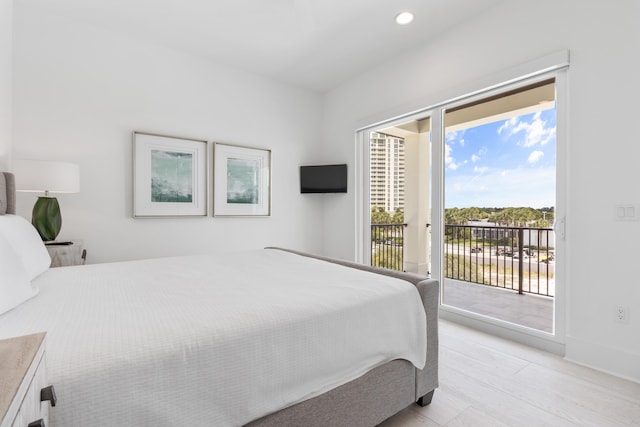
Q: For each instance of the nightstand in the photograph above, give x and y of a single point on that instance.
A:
(24, 392)
(66, 253)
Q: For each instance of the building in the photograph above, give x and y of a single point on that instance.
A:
(387, 172)
(493, 231)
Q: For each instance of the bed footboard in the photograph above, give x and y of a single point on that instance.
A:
(426, 380)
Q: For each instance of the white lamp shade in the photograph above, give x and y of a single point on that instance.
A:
(42, 175)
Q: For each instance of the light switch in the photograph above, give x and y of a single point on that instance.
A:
(630, 212)
(627, 212)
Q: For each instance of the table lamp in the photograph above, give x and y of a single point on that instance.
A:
(48, 177)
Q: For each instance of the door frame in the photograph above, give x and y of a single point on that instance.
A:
(554, 66)
(553, 342)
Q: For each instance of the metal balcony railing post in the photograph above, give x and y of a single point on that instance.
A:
(520, 259)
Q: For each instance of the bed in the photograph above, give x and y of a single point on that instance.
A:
(271, 337)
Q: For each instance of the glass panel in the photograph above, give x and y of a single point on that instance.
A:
(399, 158)
(499, 202)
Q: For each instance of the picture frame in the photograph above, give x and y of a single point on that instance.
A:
(169, 176)
(241, 181)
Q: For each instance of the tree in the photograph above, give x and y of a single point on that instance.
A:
(379, 216)
(398, 217)
(512, 216)
(454, 216)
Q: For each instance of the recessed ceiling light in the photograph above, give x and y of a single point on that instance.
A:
(404, 18)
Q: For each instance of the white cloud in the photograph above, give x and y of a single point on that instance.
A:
(480, 169)
(535, 132)
(449, 160)
(481, 153)
(509, 126)
(535, 156)
(455, 137)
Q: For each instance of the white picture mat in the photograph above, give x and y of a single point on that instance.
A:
(144, 145)
(262, 157)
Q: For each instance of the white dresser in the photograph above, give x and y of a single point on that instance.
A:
(25, 394)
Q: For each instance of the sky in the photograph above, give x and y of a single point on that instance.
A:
(508, 163)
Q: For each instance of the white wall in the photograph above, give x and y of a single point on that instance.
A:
(79, 92)
(603, 149)
(6, 64)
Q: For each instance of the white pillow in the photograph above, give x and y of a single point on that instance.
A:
(26, 244)
(15, 287)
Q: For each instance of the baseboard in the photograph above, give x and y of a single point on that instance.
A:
(610, 360)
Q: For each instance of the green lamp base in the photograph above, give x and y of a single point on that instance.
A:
(46, 218)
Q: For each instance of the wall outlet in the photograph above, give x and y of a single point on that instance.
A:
(621, 314)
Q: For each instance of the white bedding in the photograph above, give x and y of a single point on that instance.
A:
(212, 340)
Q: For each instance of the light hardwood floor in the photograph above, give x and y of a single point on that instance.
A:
(489, 381)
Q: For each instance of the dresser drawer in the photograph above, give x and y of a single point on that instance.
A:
(32, 408)
(25, 395)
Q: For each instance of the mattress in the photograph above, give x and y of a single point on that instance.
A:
(212, 340)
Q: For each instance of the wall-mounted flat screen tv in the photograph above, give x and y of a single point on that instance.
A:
(323, 179)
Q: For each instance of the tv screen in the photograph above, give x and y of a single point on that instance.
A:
(323, 179)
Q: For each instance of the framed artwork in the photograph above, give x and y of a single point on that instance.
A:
(169, 176)
(241, 181)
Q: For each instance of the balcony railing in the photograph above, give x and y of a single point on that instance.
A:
(387, 241)
(517, 258)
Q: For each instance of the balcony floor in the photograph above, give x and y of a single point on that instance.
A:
(528, 310)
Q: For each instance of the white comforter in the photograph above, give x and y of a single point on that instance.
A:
(212, 340)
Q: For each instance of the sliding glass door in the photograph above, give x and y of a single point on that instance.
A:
(470, 192)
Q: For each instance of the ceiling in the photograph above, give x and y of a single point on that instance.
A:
(315, 44)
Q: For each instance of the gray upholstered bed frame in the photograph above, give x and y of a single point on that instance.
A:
(365, 401)
(7, 193)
